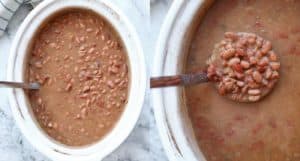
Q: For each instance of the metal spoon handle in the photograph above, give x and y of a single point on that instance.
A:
(178, 80)
(20, 85)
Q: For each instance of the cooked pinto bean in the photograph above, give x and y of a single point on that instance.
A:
(257, 76)
(248, 63)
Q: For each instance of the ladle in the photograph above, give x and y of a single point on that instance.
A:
(243, 67)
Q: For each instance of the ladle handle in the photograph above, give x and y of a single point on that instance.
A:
(178, 80)
(34, 86)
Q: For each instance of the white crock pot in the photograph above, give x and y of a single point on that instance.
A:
(21, 108)
(171, 116)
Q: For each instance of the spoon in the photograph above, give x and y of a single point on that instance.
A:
(33, 86)
(243, 67)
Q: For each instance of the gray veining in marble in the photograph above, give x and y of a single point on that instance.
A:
(144, 143)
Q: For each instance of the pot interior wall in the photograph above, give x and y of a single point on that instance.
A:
(186, 44)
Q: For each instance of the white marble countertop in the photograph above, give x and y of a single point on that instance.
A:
(144, 143)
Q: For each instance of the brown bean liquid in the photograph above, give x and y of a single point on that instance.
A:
(268, 130)
(82, 65)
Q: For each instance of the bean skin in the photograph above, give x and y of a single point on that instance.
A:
(233, 61)
(254, 92)
(254, 98)
(267, 46)
(257, 76)
(275, 65)
(268, 73)
(264, 61)
(253, 60)
(275, 75)
(272, 56)
(245, 64)
(240, 83)
(231, 35)
(228, 53)
(238, 68)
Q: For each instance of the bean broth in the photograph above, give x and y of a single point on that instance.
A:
(268, 130)
(81, 63)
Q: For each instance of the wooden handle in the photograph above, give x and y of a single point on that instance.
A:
(178, 80)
